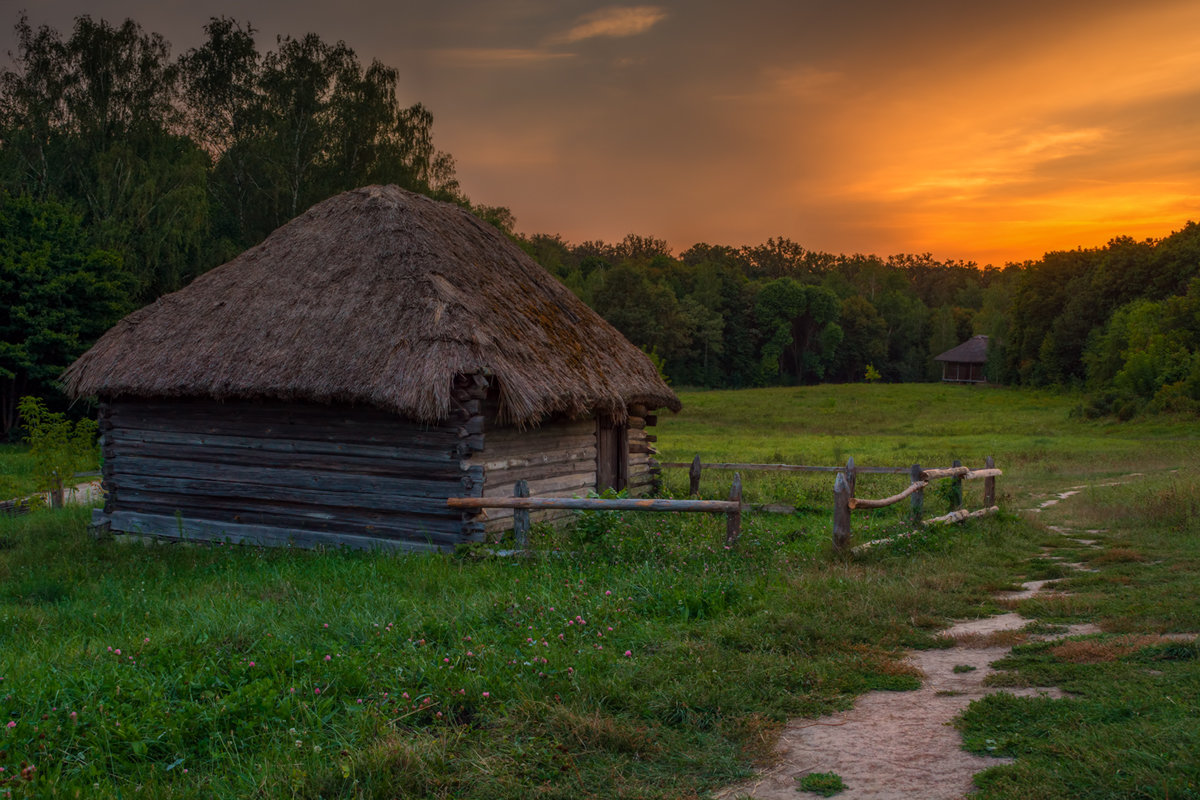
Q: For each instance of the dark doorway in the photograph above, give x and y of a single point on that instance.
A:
(612, 454)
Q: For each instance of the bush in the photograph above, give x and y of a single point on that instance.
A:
(59, 447)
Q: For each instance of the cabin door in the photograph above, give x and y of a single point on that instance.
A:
(612, 454)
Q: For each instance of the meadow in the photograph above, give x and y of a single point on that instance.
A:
(632, 655)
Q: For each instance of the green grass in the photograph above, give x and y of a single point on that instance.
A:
(16, 471)
(826, 784)
(248, 672)
(17, 478)
(1129, 727)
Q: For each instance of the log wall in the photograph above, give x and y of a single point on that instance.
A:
(557, 458)
(279, 473)
(645, 476)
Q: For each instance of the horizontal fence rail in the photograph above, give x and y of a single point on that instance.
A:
(697, 467)
(522, 504)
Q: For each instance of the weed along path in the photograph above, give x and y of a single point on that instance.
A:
(895, 744)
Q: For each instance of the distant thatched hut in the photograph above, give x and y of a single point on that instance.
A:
(965, 363)
(336, 383)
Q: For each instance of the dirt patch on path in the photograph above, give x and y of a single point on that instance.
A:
(902, 744)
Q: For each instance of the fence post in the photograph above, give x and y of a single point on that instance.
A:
(521, 516)
(694, 477)
(989, 484)
(851, 475)
(956, 497)
(733, 521)
(56, 492)
(841, 513)
(917, 501)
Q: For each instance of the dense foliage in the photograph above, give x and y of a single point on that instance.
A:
(126, 172)
(777, 313)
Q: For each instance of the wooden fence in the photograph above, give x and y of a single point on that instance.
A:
(696, 468)
(844, 500)
(522, 504)
(843, 497)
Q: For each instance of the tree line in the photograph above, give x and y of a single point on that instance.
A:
(126, 172)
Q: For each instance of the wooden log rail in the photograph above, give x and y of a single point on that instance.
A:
(844, 500)
(696, 468)
(522, 504)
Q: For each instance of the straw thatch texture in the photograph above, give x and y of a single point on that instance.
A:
(376, 296)
(972, 351)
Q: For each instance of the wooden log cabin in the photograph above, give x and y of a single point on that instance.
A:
(333, 385)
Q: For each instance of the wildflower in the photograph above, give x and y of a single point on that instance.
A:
(629, 653)
(405, 695)
(608, 594)
(12, 724)
(252, 663)
(316, 691)
(328, 658)
(487, 694)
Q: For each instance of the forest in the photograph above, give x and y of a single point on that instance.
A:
(125, 172)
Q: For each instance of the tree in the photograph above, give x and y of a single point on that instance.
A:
(92, 121)
(801, 335)
(864, 339)
(57, 295)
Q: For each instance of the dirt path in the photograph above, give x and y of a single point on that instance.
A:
(902, 744)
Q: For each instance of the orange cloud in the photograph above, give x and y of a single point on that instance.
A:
(613, 22)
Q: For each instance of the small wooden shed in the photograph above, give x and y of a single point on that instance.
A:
(965, 363)
(336, 383)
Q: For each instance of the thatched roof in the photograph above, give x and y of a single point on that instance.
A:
(972, 351)
(377, 296)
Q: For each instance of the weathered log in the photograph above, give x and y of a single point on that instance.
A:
(174, 441)
(841, 513)
(497, 463)
(946, 519)
(862, 502)
(982, 473)
(989, 483)
(595, 504)
(733, 521)
(169, 527)
(918, 497)
(783, 468)
(951, 472)
(956, 487)
(555, 484)
(521, 524)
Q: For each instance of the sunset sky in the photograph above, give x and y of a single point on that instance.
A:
(989, 132)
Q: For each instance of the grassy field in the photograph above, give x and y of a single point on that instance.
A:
(633, 656)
